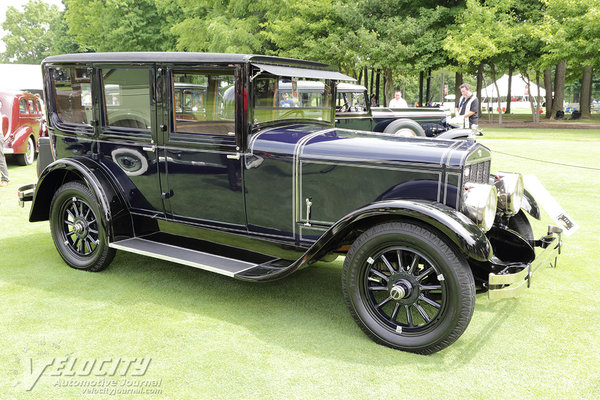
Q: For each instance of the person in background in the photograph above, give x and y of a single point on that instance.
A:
(468, 107)
(286, 102)
(3, 167)
(398, 101)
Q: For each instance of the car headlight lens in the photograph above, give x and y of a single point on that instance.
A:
(479, 204)
(510, 192)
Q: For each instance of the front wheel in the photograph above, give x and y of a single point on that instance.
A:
(407, 288)
(76, 228)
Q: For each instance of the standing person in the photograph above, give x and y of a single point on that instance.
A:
(468, 107)
(3, 167)
(398, 101)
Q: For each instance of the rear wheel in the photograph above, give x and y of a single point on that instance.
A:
(29, 155)
(76, 229)
(407, 288)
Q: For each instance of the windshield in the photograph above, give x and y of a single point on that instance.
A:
(351, 102)
(277, 98)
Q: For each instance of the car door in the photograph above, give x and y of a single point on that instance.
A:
(202, 179)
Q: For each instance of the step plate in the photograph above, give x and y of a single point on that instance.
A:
(193, 258)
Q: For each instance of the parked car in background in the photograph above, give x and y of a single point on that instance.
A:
(353, 111)
(258, 182)
(24, 116)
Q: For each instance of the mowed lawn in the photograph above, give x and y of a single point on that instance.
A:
(211, 337)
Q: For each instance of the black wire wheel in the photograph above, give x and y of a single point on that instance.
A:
(408, 288)
(77, 231)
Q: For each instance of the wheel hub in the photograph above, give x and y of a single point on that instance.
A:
(403, 288)
(80, 228)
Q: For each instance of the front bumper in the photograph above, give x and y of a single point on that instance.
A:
(516, 278)
(25, 193)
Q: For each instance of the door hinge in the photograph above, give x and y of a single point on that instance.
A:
(167, 195)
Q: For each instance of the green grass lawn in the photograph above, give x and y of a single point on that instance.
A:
(212, 337)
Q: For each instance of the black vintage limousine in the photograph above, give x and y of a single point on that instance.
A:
(242, 180)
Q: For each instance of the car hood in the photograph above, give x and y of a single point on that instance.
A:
(312, 142)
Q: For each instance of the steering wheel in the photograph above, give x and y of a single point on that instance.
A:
(294, 111)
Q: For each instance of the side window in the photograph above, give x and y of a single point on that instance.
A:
(127, 97)
(72, 95)
(203, 102)
(23, 107)
(31, 107)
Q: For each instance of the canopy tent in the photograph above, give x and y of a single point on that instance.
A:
(26, 77)
(519, 88)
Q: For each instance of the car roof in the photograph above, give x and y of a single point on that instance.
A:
(177, 57)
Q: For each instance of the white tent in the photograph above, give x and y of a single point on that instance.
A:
(519, 88)
(21, 77)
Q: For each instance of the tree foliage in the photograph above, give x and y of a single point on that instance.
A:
(31, 32)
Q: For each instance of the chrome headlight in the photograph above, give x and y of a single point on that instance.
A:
(510, 192)
(479, 204)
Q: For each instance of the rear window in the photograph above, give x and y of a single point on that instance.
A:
(72, 95)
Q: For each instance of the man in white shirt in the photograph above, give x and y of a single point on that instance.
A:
(398, 101)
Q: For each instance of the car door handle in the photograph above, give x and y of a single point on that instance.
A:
(235, 156)
(149, 148)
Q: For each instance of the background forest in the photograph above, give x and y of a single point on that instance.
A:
(426, 48)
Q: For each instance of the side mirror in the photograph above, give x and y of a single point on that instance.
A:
(4, 125)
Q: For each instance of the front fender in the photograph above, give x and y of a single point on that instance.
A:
(115, 215)
(468, 238)
(530, 205)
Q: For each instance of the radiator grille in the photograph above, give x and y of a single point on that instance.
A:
(479, 172)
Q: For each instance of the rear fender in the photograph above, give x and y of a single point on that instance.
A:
(19, 142)
(115, 215)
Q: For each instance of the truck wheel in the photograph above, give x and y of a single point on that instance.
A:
(29, 155)
(405, 127)
(407, 288)
(76, 229)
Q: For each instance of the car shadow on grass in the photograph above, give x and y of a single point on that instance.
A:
(308, 304)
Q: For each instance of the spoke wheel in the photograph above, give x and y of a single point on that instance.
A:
(78, 234)
(404, 289)
(408, 288)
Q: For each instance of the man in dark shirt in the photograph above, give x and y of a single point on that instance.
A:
(468, 106)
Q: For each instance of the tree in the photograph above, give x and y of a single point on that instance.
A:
(122, 25)
(29, 35)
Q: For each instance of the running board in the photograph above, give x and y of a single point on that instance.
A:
(199, 259)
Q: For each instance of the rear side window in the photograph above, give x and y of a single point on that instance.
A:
(127, 97)
(23, 107)
(72, 95)
(31, 107)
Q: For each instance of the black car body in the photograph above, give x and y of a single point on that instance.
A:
(256, 186)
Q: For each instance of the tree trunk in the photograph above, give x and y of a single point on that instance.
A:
(372, 80)
(585, 100)
(548, 86)
(559, 89)
(421, 77)
(389, 85)
(457, 82)
(493, 67)
(538, 99)
(428, 88)
(511, 70)
(535, 117)
(366, 75)
(442, 90)
(377, 85)
(479, 86)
